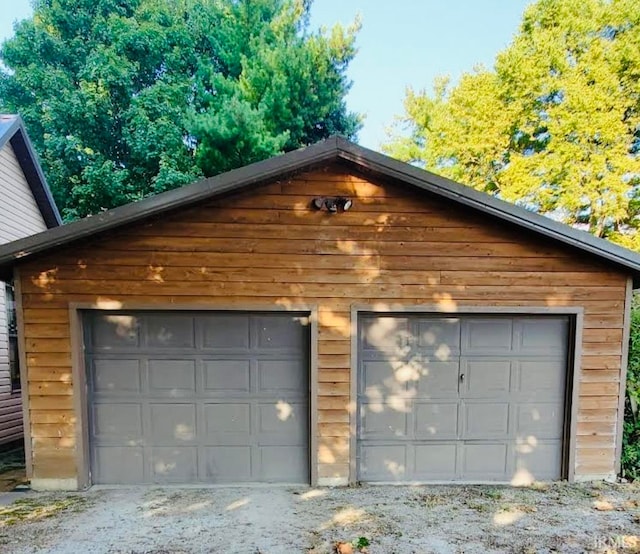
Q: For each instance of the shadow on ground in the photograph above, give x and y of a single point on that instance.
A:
(12, 468)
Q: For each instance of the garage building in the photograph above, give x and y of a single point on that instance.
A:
(324, 317)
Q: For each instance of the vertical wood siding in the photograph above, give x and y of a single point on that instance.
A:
(19, 217)
(266, 247)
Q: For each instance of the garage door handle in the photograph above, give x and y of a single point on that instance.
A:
(462, 377)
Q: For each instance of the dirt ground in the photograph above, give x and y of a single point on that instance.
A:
(271, 520)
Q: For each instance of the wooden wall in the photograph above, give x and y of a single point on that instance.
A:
(393, 248)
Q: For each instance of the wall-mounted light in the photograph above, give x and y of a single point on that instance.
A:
(332, 204)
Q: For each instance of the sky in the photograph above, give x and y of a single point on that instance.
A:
(402, 43)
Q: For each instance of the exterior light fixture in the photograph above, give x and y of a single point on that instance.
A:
(332, 204)
(346, 203)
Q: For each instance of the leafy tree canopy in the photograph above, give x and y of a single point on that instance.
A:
(555, 126)
(126, 98)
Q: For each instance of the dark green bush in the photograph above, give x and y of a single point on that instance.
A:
(631, 433)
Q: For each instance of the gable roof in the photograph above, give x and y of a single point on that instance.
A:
(12, 130)
(335, 149)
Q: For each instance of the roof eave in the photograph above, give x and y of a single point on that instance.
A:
(36, 179)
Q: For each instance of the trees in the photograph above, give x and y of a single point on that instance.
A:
(555, 126)
(124, 98)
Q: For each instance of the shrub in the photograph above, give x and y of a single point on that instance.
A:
(631, 432)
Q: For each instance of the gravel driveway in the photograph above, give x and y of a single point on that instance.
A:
(269, 520)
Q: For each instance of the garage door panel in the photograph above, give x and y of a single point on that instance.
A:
(387, 335)
(223, 376)
(539, 420)
(540, 461)
(281, 376)
(435, 461)
(537, 336)
(544, 378)
(439, 337)
(436, 420)
(174, 464)
(119, 464)
(169, 331)
(283, 464)
(122, 422)
(224, 332)
(172, 423)
(407, 375)
(384, 422)
(227, 464)
(227, 423)
(173, 376)
(115, 331)
(282, 333)
(487, 336)
(380, 378)
(486, 461)
(485, 378)
(282, 422)
(383, 462)
(112, 376)
(483, 420)
(438, 379)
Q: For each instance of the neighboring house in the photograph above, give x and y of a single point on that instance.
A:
(327, 316)
(26, 208)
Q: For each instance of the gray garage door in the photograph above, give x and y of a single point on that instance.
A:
(461, 399)
(198, 397)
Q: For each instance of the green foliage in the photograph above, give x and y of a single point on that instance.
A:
(631, 431)
(555, 126)
(361, 543)
(126, 98)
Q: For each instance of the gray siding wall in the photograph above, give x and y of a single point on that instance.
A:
(19, 213)
(19, 217)
(5, 381)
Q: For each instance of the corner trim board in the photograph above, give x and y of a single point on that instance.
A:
(80, 404)
(573, 398)
(24, 374)
(313, 394)
(624, 362)
(353, 398)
